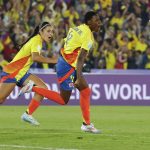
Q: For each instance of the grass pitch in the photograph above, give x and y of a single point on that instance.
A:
(124, 128)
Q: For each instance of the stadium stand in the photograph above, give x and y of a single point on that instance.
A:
(122, 43)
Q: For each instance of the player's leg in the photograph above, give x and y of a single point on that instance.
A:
(60, 98)
(64, 76)
(50, 95)
(7, 84)
(37, 98)
(65, 90)
(6, 89)
(35, 101)
(85, 94)
(43, 91)
(65, 95)
(40, 91)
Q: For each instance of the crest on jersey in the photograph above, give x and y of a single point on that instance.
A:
(71, 84)
(90, 45)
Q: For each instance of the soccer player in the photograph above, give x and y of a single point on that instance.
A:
(16, 72)
(78, 43)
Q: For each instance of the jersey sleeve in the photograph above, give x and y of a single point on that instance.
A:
(36, 46)
(87, 42)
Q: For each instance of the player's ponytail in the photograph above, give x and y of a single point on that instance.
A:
(36, 31)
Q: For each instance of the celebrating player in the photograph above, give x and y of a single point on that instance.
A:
(78, 43)
(16, 72)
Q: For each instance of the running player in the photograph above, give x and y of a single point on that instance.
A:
(78, 43)
(16, 72)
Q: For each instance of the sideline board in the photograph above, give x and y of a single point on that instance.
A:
(107, 89)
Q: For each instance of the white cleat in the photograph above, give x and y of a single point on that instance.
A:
(27, 88)
(28, 118)
(90, 128)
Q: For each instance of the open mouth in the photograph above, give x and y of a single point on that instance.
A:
(49, 37)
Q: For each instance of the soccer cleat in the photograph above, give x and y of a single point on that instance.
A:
(89, 128)
(27, 88)
(28, 118)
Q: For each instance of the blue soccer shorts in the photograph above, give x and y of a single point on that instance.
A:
(66, 74)
(7, 78)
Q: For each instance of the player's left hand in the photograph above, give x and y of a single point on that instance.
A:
(77, 83)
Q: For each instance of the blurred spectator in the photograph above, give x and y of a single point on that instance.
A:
(3, 62)
(121, 58)
(9, 52)
(122, 43)
(145, 64)
(141, 44)
(131, 60)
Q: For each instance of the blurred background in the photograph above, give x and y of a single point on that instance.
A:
(122, 43)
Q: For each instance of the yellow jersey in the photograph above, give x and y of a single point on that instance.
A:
(110, 59)
(77, 38)
(118, 21)
(141, 46)
(23, 60)
(106, 3)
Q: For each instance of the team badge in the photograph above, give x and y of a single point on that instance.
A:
(71, 84)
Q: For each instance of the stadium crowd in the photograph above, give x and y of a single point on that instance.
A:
(122, 43)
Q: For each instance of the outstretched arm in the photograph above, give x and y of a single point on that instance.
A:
(41, 59)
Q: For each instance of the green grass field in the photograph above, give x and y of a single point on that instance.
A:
(124, 128)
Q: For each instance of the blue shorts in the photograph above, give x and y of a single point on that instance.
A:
(6, 79)
(66, 74)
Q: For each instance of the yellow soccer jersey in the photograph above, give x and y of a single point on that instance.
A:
(23, 60)
(78, 37)
(110, 59)
(141, 46)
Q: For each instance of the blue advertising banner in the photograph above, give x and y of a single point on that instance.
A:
(107, 89)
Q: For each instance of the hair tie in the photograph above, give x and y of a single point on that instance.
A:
(44, 27)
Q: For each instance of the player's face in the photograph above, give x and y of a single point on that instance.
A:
(47, 33)
(95, 23)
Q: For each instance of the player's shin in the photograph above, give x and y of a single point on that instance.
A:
(51, 95)
(27, 116)
(34, 104)
(85, 104)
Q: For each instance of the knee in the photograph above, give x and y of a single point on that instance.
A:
(65, 96)
(43, 86)
(85, 92)
(66, 101)
(2, 99)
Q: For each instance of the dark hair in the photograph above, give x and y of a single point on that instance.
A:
(88, 16)
(36, 31)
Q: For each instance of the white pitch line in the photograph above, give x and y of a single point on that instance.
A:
(32, 147)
